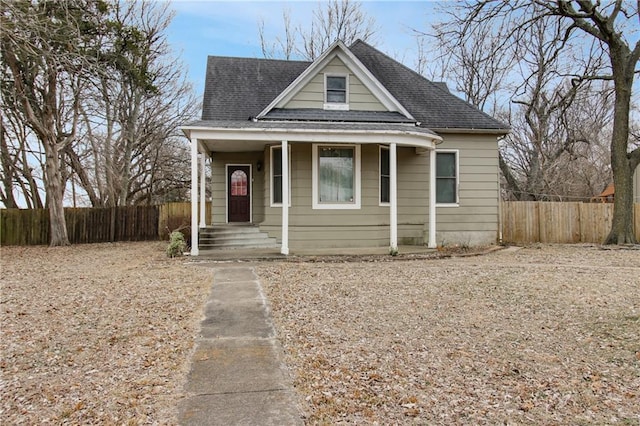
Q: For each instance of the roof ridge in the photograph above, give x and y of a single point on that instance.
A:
(259, 59)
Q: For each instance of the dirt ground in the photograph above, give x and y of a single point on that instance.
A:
(544, 335)
(96, 333)
(102, 334)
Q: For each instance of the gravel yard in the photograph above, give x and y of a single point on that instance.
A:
(543, 335)
(102, 334)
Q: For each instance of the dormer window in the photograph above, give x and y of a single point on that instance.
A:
(336, 92)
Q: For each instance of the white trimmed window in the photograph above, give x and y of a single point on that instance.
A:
(447, 177)
(276, 176)
(385, 177)
(336, 176)
(336, 91)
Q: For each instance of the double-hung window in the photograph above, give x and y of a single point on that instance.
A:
(447, 177)
(336, 177)
(276, 175)
(336, 94)
(385, 180)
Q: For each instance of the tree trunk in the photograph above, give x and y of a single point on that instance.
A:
(55, 193)
(622, 226)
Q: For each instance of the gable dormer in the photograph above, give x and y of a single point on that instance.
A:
(337, 81)
(335, 88)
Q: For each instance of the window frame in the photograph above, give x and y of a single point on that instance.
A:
(456, 153)
(341, 106)
(271, 149)
(315, 187)
(380, 201)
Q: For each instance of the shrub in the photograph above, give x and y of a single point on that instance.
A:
(177, 244)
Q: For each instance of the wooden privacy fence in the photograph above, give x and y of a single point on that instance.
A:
(523, 222)
(84, 225)
(177, 216)
(526, 222)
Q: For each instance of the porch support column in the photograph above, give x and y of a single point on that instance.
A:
(393, 199)
(194, 197)
(203, 162)
(284, 249)
(432, 199)
(211, 188)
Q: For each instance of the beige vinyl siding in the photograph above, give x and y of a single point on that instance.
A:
(475, 220)
(219, 194)
(368, 226)
(312, 95)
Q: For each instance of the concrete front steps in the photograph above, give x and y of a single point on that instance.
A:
(243, 237)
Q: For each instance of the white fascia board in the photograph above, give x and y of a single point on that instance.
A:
(404, 137)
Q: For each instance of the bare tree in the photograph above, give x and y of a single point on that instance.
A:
(94, 84)
(612, 25)
(554, 151)
(332, 20)
(47, 50)
(474, 57)
(21, 158)
(544, 138)
(284, 46)
(129, 134)
(9, 170)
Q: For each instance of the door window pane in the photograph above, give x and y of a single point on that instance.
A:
(239, 183)
(336, 175)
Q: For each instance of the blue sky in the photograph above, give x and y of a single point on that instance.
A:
(230, 28)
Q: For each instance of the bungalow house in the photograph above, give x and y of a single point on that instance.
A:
(351, 150)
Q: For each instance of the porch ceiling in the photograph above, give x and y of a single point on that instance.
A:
(218, 145)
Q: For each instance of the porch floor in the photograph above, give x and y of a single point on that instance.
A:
(274, 253)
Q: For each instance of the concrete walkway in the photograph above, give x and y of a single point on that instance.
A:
(237, 375)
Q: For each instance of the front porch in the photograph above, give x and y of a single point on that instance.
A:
(362, 219)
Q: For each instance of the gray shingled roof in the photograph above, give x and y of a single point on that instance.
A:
(240, 88)
(428, 102)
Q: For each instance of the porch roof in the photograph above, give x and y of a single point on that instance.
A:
(247, 135)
